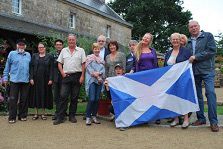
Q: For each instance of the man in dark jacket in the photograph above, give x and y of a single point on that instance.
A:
(203, 47)
(130, 59)
(56, 75)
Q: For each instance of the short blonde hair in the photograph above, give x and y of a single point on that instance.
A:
(95, 45)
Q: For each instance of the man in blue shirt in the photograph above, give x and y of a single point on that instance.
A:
(17, 72)
(203, 47)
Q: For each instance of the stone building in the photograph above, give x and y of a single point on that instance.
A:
(26, 18)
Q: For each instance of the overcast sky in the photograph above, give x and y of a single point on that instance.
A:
(209, 14)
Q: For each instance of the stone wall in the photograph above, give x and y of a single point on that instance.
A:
(55, 13)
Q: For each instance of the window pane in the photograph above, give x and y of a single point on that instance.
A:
(16, 6)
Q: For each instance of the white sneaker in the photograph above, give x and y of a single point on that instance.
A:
(185, 125)
(95, 120)
(88, 121)
(174, 123)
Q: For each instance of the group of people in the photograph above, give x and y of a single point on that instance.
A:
(67, 69)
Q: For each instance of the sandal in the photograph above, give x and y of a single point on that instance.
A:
(12, 121)
(43, 117)
(35, 117)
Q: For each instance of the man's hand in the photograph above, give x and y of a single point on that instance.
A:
(191, 59)
(81, 79)
(50, 82)
(31, 82)
(63, 74)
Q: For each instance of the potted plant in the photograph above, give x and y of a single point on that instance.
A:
(104, 105)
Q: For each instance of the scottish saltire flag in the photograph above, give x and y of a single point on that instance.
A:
(154, 94)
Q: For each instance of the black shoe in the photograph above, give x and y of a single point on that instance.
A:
(57, 122)
(158, 122)
(73, 119)
(54, 118)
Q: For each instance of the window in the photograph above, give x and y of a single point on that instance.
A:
(108, 31)
(72, 21)
(17, 6)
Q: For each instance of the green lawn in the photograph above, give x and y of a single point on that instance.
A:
(80, 109)
(82, 106)
(219, 109)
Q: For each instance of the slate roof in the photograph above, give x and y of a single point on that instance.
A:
(100, 8)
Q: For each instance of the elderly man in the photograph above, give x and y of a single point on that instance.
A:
(103, 50)
(17, 67)
(71, 64)
(203, 47)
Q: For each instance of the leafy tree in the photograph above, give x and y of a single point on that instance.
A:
(220, 44)
(159, 17)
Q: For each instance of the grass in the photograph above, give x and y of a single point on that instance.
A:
(80, 109)
(219, 109)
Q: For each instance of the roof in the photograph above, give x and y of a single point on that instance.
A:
(101, 8)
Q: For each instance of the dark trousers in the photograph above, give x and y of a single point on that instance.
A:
(56, 95)
(70, 86)
(18, 91)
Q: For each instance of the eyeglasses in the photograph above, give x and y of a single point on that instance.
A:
(101, 41)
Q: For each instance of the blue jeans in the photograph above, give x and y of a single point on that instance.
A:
(208, 80)
(94, 93)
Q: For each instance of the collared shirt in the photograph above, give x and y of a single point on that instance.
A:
(194, 42)
(102, 52)
(72, 62)
(17, 67)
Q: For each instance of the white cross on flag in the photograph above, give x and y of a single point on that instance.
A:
(154, 94)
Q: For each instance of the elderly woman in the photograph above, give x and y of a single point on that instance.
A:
(41, 76)
(176, 55)
(113, 59)
(145, 56)
(183, 40)
(95, 73)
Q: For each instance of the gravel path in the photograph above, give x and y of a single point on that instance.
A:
(41, 134)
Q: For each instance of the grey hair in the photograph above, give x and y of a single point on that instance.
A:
(133, 42)
(175, 34)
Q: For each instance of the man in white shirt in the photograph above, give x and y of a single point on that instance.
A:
(71, 64)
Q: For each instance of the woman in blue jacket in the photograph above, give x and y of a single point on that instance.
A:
(176, 55)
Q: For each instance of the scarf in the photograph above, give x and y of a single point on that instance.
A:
(91, 58)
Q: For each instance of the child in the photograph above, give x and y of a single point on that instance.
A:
(119, 71)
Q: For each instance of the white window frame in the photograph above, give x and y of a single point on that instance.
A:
(72, 20)
(108, 31)
(17, 9)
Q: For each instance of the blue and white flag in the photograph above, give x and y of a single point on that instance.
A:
(154, 94)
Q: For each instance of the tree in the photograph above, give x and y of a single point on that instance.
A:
(220, 44)
(159, 17)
